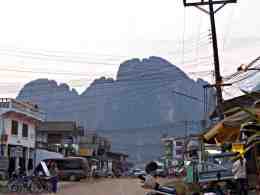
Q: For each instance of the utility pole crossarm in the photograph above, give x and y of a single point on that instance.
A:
(202, 9)
(219, 8)
(202, 2)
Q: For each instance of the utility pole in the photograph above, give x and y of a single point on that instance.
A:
(211, 12)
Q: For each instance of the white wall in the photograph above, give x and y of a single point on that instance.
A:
(19, 139)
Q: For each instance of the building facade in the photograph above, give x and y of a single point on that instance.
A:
(92, 144)
(178, 148)
(18, 122)
(59, 136)
(174, 149)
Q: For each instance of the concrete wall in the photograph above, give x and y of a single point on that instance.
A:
(19, 139)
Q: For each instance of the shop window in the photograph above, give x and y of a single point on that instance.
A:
(25, 130)
(14, 128)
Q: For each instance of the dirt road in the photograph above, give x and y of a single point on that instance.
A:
(104, 187)
(122, 186)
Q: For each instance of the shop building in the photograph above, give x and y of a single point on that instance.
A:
(59, 136)
(18, 122)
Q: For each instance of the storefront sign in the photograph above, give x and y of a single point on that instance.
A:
(45, 169)
(238, 147)
(86, 152)
(68, 140)
(168, 149)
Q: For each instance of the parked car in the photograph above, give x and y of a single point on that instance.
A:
(104, 173)
(137, 172)
(71, 168)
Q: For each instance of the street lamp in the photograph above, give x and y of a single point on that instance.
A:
(244, 68)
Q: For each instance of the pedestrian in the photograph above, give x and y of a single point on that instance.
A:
(240, 175)
(54, 176)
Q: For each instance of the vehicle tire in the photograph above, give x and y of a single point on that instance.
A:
(14, 187)
(48, 187)
(36, 187)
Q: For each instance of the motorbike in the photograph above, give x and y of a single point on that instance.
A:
(41, 184)
(157, 189)
(19, 182)
(212, 189)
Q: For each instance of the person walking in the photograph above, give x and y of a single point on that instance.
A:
(240, 175)
(54, 176)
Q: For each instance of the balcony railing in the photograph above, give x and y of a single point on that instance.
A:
(19, 106)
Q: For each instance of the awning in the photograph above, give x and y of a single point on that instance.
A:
(228, 130)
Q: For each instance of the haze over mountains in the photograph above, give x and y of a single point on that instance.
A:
(148, 98)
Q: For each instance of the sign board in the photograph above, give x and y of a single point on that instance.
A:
(45, 169)
(68, 140)
(4, 163)
(85, 151)
(168, 149)
(190, 174)
(238, 147)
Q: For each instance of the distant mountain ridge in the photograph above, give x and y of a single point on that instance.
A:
(134, 110)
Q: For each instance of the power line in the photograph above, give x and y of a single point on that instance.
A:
(65, 53)
(188, 96)
(57, 59)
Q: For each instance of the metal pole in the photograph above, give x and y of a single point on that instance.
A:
(218, 77)
(211, 12)
(35, 147)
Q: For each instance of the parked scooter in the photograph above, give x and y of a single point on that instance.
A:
(20, 182)
(15, 182)
(212, 189)
(150, 183)
(41, 184)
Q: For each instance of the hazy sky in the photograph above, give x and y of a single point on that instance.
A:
(89, 39)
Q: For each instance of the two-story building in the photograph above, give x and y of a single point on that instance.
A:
(59, 136)
(174, 149)
(18, 122)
